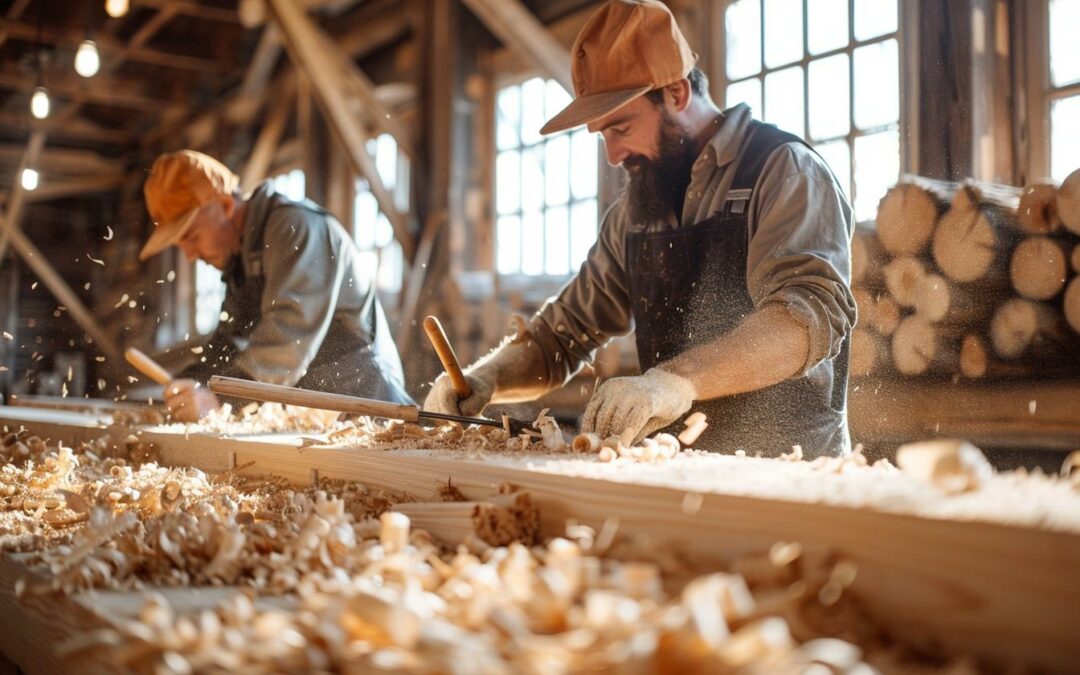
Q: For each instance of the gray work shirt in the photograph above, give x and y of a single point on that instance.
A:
(299, 308)
(799, 255)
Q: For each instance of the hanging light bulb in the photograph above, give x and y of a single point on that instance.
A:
(29, 179)
(87, 60)
(116, 8)
(39, 103)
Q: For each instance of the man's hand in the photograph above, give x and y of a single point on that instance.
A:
(443, 399)
(639, 404)
(189, 401)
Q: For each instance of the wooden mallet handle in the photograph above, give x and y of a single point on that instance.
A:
(147, 366)
(446, 354)
(276, 393)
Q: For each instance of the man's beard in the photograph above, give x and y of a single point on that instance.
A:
(656, 189)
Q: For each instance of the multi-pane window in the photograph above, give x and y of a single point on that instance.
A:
(828, 71)
(209, 288)
(1064, 94)
(545, 186)
(380, 252)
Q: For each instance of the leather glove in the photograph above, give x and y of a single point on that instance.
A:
(640, 404)
(189, 401)
(443, 399)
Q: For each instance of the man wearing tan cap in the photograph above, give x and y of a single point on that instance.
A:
(298, 310)
(728, 254)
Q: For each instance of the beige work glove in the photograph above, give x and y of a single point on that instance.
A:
(641, 404)
(513, 372)
(443, 399)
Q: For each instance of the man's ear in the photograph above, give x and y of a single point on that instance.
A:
(677, 94)
(228, 205)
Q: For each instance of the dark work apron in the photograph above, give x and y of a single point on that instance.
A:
(688, 287)
(346, 363)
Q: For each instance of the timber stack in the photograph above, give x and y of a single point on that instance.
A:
(969, 280)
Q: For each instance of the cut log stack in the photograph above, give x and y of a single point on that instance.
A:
(969, 280)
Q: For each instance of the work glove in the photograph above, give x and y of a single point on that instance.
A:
(189, 401)
(639, 405)
(514, 371)
(443, 399)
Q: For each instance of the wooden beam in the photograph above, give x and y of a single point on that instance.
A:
(51, 190)
(194, 9)
(63, 160)
(378, 116)
(13, 13)
(306, 48)
(109, 48)
(519, 29)
(16, 203)
(74, 129)
(1002, 592)
(266, 145)
(103, 91)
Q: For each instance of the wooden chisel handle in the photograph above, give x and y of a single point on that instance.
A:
(446, 354)
(147, 366)
(276, 393)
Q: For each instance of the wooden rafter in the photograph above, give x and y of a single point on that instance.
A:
(520, 30)
(75, 129)
(16, 202)
(63, 159)
(109, 47)
(306, 46)
(194, 9)
(13, 13)
(266, 145)
(104, 91)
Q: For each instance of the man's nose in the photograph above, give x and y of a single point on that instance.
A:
(616, 151)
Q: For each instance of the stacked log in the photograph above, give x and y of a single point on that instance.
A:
(969, 280)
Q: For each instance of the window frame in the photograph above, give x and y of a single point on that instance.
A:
(906, 35)
(1040, 90)
(401, 195)
(543, 284)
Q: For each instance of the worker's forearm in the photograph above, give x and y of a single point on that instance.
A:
(768, 347)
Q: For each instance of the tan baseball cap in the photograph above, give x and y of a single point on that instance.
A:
(629, 47)
(181, 183)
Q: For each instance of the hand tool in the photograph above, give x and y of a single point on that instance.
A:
(276, 393)
(450, 363)
(147, 366)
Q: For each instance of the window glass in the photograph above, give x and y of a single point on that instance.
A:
(827, 25)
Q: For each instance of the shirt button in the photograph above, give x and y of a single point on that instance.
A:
(561, 328)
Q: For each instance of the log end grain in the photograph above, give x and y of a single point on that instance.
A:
(932, 297)
(914, 346)
(902, 277)
(1038, 213)
(1038, 268)
(1068, 202)
(906, 218)
(965, 243)
(1071, 305)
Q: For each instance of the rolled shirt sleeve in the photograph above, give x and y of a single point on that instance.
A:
(303, 277)
(591, 308)
(799, 254)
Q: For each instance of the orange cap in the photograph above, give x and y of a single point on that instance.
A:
(181, 183)
(627, 48)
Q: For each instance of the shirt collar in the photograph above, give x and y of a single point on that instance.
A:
(725, 143)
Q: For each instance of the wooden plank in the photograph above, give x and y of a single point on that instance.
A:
(305, 46)
(449, 522)
(1002, 592)
(991, 414)
(68, 427)
(519, 29)
(33, 626)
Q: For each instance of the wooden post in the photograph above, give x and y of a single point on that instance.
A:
(307, 49)
(520, 30)
(266, 144)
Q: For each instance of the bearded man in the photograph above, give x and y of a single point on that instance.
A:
(728, 254)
